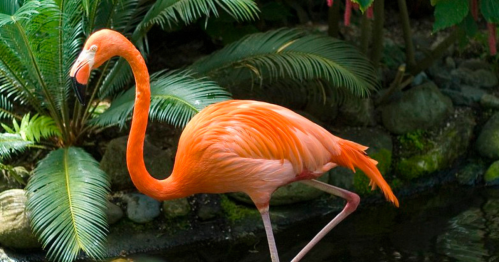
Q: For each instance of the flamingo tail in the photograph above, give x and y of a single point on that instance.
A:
(354, 155)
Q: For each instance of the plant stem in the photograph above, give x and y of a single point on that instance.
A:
(436, 53)
(365, 36)
(406, 28)
(379, 21)
(334, 19)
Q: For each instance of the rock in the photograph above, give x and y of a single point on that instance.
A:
(8, 182)
(289, 194)
(419, 79)
(491, 213)
(325, 113)
(475, 64)
(141, 208)
(114, 213)
(208, 206)
(158, 163)
(480, 78)
(357, 112)
(487, 143)
(380, 148)
(15, 230)
(450, 63)
(465, 95)
(489, 101)
(471, 174)
(421, 107)
(439, 151)
(176, 208)
(492, 174)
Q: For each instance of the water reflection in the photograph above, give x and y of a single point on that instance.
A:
(450, 224)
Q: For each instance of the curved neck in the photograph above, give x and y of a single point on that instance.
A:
(145, 183)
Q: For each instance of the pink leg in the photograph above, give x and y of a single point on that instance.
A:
(353, 201)
(270, 234)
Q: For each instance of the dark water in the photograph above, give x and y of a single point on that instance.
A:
(448, 224)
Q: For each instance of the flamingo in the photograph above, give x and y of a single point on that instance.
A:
(233, 146)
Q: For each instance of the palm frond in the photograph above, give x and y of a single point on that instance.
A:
(12, 143)
(6, 108)
(169, 12)
(9, 7)
(288, 53)
(34, 128)
(175, 98)
(67, 201)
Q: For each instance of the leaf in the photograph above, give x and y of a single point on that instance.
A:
(449, 13)
(289, 54)
(169, 12)
(469, 26)
(175, 98)
(67, 201)
(36, 127)
(363, 4)
(12, 143)
(490, 10)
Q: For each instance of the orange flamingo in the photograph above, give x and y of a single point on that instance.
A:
(233, 146)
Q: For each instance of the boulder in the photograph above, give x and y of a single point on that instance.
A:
(208, 206)
(422, 107)
(141, 208)
(438, 151)
(489, 101)
(471, 174)
(176, 208)
(113, 212)
(15, 230)
(491, 176)
(482, 78)
(487, 143)
(158, 162)
(357, 112)
(465, 95)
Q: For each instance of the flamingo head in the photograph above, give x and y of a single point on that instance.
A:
(99, 47)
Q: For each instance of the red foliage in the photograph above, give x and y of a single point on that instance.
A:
(348, 12)
(492, 38)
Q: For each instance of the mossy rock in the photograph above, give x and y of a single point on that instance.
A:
(361, 181)
(492, 174)
(487, 143)
(442, 147)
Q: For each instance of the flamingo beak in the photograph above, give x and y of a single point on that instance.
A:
(80, 73)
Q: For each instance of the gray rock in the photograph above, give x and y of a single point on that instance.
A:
(208, 206)
(325, 113)
(471, 174)
(465, 95)
(380, 148)
(489, 101)
(487, 143)
(158, 163)
(114, 213)
(480, 78)
(141, 208)
(421, 107)
(15, 230)
(176, 208)
(450, 63)
(357, 112)
(475, 64)
(443, 147)
(289, 194)
(419, 79)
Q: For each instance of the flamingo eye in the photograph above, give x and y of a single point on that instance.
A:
(93, 48)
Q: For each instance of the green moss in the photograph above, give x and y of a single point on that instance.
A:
(416, 166)
(492, 174)
(416, 140)
(235, 212)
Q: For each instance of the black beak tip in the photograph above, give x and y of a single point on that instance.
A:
(79, 90)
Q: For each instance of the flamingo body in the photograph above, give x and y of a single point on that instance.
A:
(233, 146)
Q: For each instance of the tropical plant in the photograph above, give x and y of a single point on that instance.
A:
(39, 40)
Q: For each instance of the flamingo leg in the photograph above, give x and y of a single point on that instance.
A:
(270, 234)
(353, 201)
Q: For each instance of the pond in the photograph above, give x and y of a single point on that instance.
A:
(448, 224)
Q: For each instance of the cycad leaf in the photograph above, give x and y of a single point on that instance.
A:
(175, 98)
(168, 12)
(12, 143)
(288, 53)
(6, 108)
(67, 201)
(34, 128)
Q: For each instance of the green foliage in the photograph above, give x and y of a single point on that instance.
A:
(363, 4)
(289, 54)
(449, 13)
(490, 10)
(15, 172)
(12, 143)
(67, 200)
(175, 98)
(34, 128)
